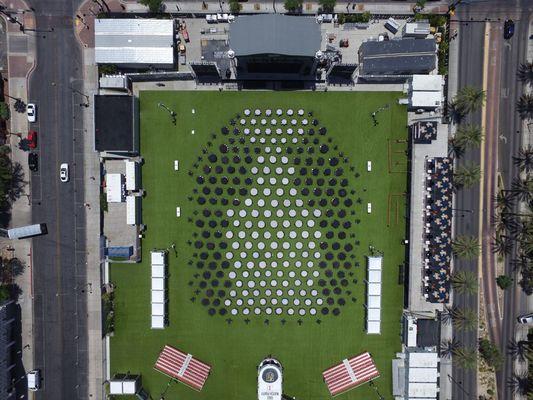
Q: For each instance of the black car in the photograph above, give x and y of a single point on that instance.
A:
(508, 29)
(33, 161)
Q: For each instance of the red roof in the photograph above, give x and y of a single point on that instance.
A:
(350, 373)
(183, 367)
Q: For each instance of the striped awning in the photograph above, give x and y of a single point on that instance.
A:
(350, 373)
(183, 367)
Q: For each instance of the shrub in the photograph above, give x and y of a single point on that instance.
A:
(293, 5)
(490, 353)
(504, 281)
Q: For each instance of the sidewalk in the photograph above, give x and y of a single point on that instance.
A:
(20, 61)
(206, 7)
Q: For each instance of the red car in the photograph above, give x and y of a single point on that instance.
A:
(32, 139)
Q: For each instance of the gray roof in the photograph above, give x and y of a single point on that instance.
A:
(134, 41)
(397, 57)
(274, 34)
(5, 351)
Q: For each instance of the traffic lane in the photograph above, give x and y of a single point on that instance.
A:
(514, 298)
(471, 35)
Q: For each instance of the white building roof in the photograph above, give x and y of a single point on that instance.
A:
(374, 289)
(425, 390)
(114, 192)
(130, 386)
(426, 99)
(417, 28)
(428, 375)
(134, 41)
(423, 360)
(427, 83)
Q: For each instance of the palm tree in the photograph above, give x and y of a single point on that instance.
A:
(466, 175)
(502, 245)
(466, 247)
(520, 384)
(524, 106)
(464, 320)
(467, 136)
(466, 358)
(523, 189)
(503, 221)
(504, 200)
(521, 263)
(469, 99)
(525, 73)
(520, 350)
(465, 282)
(524, 159)
(446, 316)
(449, 348)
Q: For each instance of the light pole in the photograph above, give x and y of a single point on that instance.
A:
(459, 384)
(376, 389)
(81, 94)
(171, 112)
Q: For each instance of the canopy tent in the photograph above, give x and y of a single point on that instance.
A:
(183, 367)
(373, 295)
(350, 373)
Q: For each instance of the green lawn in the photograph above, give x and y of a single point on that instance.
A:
(235, 347)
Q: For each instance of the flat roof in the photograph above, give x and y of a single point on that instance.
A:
(423, 360)
(134, 41)
(397, 57)
(114, 123)
(428, 334)
(274, 34)
(428, 82)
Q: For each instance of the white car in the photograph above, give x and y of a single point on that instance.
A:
(34, 380)
(31, 111)
(63, 172)
(525, 319)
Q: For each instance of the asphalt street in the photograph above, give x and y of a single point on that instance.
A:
(473, 18)
(466, 223)
(60, 317)
(515, 301)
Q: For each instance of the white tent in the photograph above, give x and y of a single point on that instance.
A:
(373, 300)
(131, 175)
(114, 188)
(132, 210)
(158, 271)
(158, 258)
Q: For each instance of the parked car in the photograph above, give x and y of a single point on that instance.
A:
(34, 380)
(508, 29)
(33, 161)
(63, 172)
(32, 139)
(31, 111)
(525, 318)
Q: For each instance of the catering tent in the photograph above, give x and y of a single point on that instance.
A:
(183, 367)
(350, 373)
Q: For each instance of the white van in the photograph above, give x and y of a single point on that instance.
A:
(34, 380)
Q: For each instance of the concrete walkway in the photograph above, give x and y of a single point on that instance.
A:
(20, 63)
(311, 7)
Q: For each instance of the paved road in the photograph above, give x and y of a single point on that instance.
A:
(515, 301)
(60, 316)
(502, 68)
(466, 223)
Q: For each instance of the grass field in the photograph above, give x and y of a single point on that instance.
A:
(235, 344)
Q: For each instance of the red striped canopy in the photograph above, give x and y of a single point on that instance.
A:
(350, 373)
(183, 367)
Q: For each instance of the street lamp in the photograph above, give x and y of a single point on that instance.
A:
(171, 112)
(81, 94)
(376, 389)
(459, 384)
